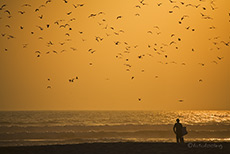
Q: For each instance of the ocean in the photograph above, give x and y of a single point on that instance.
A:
(23, 128)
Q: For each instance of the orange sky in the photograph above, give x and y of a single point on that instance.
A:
(157, 59)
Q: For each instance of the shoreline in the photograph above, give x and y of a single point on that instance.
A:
(123, 147)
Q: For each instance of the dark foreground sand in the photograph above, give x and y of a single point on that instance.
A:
(122, 148)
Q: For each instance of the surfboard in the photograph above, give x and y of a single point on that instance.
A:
(184, 131)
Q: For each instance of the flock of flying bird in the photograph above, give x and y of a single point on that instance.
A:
(156, 48)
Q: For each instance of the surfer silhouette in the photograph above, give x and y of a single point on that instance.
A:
(178, 131)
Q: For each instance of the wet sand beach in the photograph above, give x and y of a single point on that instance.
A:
(123, 148)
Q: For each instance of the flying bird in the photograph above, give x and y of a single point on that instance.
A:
(72, 19)
(98, 39)
(21, 12)
(117, 43)
(156, 27)
(220, 58)
(61, 43)
(78, 5)
(92, 15)
(227, 44)
(101, 13)
(159, 4)
(176, 6)
(10, 36)
(71, 80)
(40, 27)
(64, 25)
(40, 17)
(50, 43)
(68, 13)
(7, 11)
(48, 1)
(172, 1)
(28, 5)
(42, 6)
(150, 32)
(172, 43)
(202, 64)
(8, 26)
(4, 5)
(188, 27)
(74, 49)
(184, 16)
(119, 17)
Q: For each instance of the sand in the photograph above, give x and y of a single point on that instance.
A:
(122, 148)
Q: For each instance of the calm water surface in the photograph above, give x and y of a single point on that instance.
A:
(68, 127)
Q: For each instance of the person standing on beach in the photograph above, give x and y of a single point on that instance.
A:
(178, 131)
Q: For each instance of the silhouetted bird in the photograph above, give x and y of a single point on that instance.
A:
(4, 5)
(64, 25)
(159, 4)
(92, 15)
(214, 62)
(7, 11)
(101, 13)
(21, 12)
(118, 17)
(227, 44)
(202, 64)
(220, 58)
(117, 43)
(78, 5)
(68, 13)
(48, 1)
(40, 17)
(40, 27)
(28, 5)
